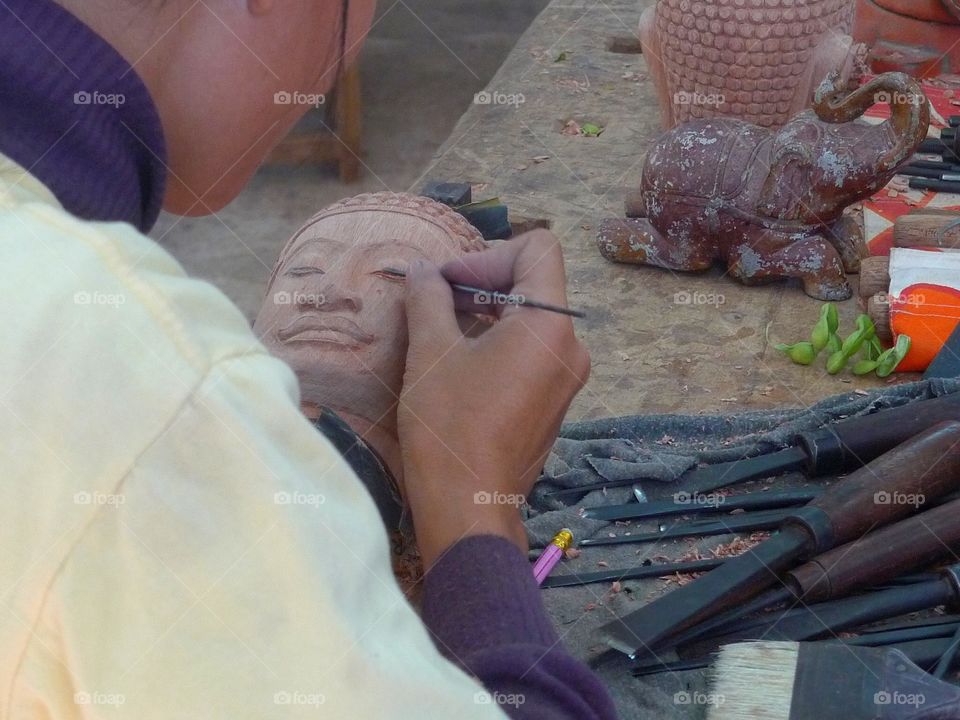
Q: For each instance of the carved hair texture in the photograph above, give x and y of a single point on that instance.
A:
(452, 223)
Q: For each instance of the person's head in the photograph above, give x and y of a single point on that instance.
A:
(221, 72)
(335, 316)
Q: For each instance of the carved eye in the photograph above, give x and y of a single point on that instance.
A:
(305, 270)
(389, 274)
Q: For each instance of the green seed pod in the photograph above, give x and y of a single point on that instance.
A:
(821, 331)
(837, 362)
(894, 356)
(829, 312)
(864, 367)
(801, 353)
(834, 344)
(874, 348)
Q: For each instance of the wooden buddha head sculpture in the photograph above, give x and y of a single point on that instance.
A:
(338, 320)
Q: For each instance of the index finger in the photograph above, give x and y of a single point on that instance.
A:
(530, 265)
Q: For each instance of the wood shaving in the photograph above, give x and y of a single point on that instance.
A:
(571, 553)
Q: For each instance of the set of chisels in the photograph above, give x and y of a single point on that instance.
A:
(840, 555)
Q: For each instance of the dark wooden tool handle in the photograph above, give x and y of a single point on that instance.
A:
(894, 485)
(889, 552)
(854, 442)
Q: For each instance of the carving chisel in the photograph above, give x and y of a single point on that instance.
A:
(836, 448)
(495, 297)
(880, 557)
(925, 467)
(637, 573)
(702, 504)
(746, 522)
(836, 616)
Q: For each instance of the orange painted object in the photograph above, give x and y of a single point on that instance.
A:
(928, 314)
(918, 37)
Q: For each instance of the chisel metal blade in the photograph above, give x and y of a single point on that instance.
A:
(761, 520)
(637, 573)
(737, 580)
(713, 477)
(701, 504)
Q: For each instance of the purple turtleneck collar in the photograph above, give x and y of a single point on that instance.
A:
(78, 117)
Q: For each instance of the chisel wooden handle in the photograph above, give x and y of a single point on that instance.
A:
(854, 442)
(887, 489)
(882, 555)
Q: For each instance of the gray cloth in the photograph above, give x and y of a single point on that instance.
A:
(658, 448)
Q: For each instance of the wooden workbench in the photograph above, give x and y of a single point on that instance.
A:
(651, 351)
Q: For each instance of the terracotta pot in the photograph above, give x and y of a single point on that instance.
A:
(756, 60)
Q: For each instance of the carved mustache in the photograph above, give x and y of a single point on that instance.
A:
(316, 323)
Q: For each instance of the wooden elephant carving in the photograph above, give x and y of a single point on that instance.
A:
(769, 204)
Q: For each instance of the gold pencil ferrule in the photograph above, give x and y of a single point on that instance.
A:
(563, 540)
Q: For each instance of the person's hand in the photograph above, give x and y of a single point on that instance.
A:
(478, 416)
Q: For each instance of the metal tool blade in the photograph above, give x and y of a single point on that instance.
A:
(764, 520)
(712, 477)
(737, 580)
(702, 504)
(829, 618)
(637, 573)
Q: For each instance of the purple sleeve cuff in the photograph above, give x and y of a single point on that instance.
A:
(483, 608)
(481, 594)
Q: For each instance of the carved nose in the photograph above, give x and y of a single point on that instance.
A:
(331, 297)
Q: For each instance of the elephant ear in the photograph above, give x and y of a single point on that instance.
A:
(786, 183)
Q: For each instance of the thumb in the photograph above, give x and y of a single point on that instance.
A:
(431, 317)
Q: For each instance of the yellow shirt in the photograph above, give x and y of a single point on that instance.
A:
(176, 540)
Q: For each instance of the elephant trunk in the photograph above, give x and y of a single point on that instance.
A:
(909, 112)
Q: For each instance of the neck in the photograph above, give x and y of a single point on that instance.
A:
(380, 439)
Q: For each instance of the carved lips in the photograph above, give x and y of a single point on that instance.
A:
(331, 329)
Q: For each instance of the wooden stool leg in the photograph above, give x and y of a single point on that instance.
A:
(348, 127)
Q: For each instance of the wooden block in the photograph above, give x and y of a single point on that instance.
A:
(874, 276)
(878, 308)
(927, 230)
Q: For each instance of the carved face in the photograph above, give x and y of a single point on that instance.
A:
(337, 319)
